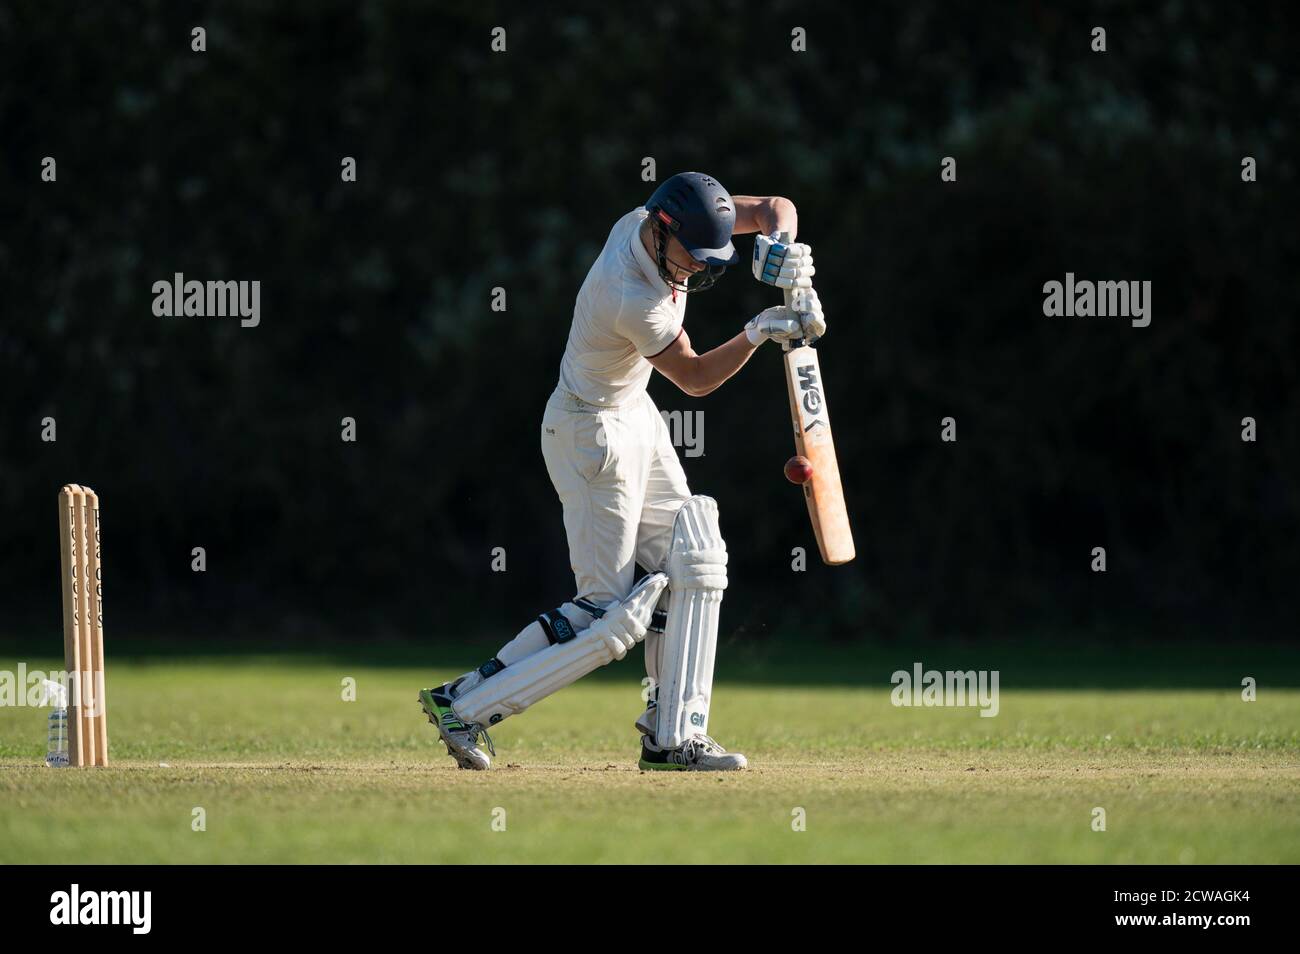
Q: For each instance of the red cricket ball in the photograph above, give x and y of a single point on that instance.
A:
(798, 470)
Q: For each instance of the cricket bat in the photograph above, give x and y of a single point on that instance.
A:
(813, 439)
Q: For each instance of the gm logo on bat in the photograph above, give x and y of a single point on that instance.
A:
(812, 395)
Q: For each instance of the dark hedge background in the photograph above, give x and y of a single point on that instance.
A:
(478, 170)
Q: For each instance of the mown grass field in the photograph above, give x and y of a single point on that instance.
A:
(284, 770)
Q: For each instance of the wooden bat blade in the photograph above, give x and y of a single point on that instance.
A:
(813, 439)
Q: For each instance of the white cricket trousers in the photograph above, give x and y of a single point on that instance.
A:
(621, 485)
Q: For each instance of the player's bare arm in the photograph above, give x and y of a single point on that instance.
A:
(699, 374)
(769, 214)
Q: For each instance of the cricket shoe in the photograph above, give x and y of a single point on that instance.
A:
(697, 754)
(461, 738)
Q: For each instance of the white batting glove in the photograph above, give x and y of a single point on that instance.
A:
(782, 266)
(808, 309)
(776, 322)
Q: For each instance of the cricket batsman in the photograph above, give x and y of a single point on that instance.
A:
(625, 497)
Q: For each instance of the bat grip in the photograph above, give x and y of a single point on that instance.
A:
(788, 294)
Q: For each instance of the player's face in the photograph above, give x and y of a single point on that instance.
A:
(683, 264)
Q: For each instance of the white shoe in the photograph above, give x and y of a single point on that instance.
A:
(697, 754)
(461, 738)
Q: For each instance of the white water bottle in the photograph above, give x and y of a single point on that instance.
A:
(56, 753)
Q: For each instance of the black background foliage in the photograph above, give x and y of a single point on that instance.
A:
(479, 170)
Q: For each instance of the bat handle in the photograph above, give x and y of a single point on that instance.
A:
(788, 294)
